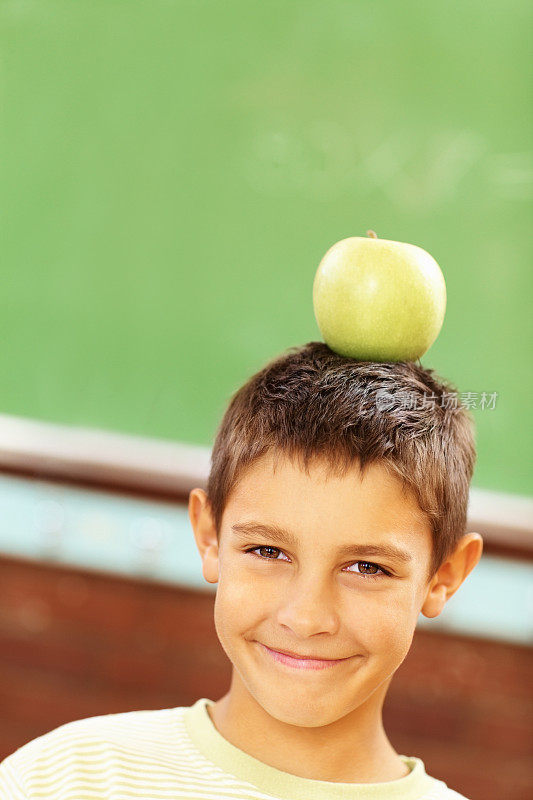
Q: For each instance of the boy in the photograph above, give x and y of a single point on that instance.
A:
(334, 514)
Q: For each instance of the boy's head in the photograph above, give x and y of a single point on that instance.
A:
(321, 468)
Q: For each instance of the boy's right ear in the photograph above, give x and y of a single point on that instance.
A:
(204, 533)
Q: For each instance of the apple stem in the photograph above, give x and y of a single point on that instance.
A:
(372, 234)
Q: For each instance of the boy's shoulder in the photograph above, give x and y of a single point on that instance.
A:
(77, 746)
(125, 726)
(448, 794)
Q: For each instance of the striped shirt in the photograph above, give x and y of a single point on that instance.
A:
(173, 754)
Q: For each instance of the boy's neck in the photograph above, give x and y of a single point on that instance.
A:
(355, 749)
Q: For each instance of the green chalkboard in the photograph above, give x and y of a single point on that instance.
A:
(172, 172)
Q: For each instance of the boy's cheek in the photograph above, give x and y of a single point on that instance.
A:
(383, 627)
(238, 606)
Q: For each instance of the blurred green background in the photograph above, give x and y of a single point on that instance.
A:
(173, 171)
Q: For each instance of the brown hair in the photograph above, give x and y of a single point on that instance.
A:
(310, 402)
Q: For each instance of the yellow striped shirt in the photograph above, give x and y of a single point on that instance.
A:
(173, 754)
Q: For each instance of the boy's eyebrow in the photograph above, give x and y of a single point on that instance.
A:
(357, 550)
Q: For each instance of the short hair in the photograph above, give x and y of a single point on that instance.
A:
(311, 403)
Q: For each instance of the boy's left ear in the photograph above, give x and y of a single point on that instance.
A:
(452, 573)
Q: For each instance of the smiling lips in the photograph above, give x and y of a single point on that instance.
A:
(299, 661)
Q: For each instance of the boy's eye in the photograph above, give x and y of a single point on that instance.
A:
(266, 551)
(375, 571)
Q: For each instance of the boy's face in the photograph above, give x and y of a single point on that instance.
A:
(306, 596)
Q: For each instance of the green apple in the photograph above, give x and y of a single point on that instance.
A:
(379, 300)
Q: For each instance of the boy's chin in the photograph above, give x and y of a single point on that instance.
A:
(302, 714)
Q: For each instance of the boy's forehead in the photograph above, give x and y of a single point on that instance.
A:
(275, 484)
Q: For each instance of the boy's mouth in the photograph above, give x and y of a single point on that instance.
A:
(300, 661)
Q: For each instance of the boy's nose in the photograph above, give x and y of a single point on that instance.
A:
(309, 607)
